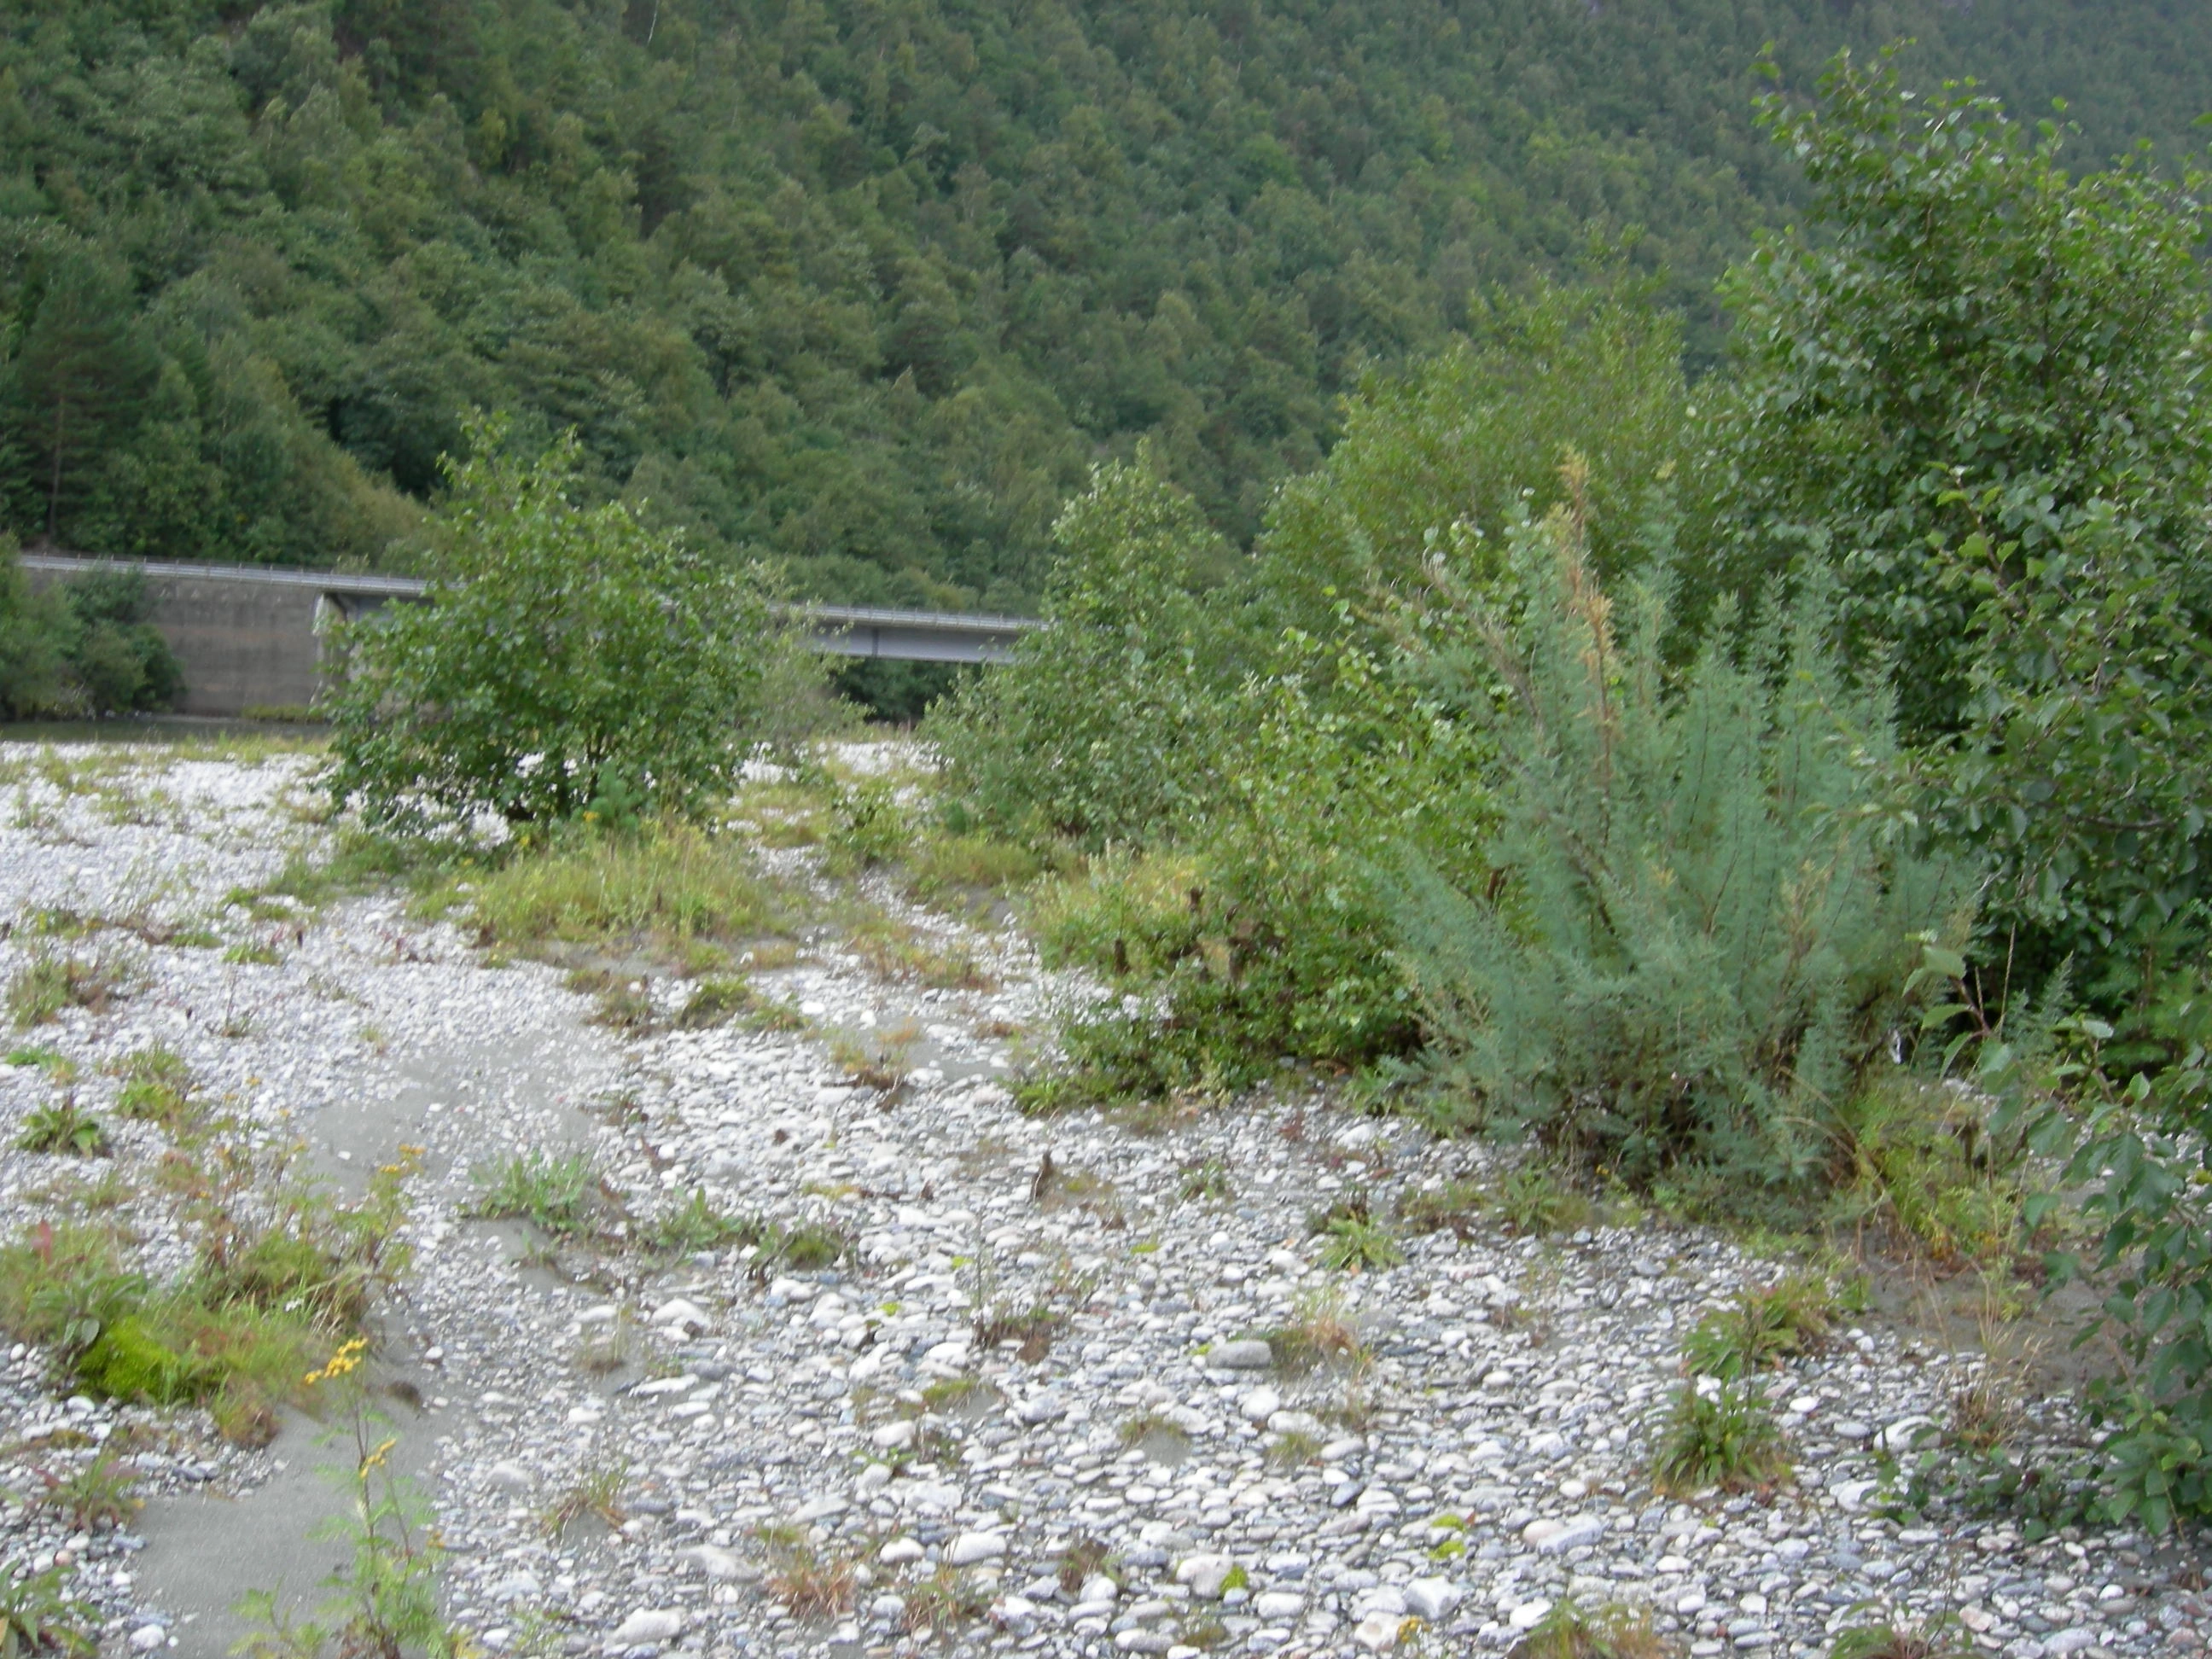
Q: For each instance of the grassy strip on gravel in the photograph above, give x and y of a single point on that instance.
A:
(263, 1302)
(668, 884)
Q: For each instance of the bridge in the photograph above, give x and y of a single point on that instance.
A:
(250, 636)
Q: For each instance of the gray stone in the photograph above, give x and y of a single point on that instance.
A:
(649, 1624)
(973, 1546)
(1249, 1353)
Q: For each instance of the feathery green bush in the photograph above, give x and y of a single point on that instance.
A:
(1706, 916)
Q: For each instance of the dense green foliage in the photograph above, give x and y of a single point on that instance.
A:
(1980, 397)
(1705, 915)
(1104, 726)
(87, 647)
(1703, 883)
(569, 662)
(1473, 435)
(1291, 749)
(866, 289)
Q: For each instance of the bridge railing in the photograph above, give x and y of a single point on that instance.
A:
(843, 630)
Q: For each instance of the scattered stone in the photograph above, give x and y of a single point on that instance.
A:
(1433, 1599)
(827, 1407)
(1204, 1574)
(1248, 1353)
(1379, 1631)
(649, 1625)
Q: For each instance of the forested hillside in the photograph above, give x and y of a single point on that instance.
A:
(863, 286)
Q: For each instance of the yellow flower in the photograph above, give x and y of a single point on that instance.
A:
(375, 1458)
(347, 1358)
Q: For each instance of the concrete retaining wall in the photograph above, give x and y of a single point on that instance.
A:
(242, 645)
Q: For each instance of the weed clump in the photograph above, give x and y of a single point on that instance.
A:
(99, 1495)
(38, 1615)
(156, 1088)
(597, 1491)
(667, 884)
(63, 1129)
(717, 1000)
(1350, 1244)
(808, 1247)
(1723, 1436)
(1764, 1328)
(1611, 1632)
(1152, 1431)
(945, 1601)
(237, 1332)
(1321, 1332)
(564, 1196)
(868, 827)
(939, 865)
(47, 984)
(624, 1004)
(1925, 1171)
(1886, 1641)
(696, 1224)
(1206, 1180)
(809, 1583)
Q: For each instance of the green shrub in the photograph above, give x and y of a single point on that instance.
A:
(1469, 434)
(867, 827)
(118, 658)
(1707, 919)
(33, 668)
(1975, 381)
(569, 662)
(2139, 1155)
(1102, 727)
(1266, 933)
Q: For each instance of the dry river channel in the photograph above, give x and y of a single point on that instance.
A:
(1035, 1408)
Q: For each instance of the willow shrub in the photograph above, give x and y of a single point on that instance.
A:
(570, 662)
(1704, 919)
(1104, 727)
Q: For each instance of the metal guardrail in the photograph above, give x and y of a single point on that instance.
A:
(326, 581)
(841, 630)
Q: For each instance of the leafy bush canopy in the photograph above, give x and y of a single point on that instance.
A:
(570, 661)
(1474, 434)
(1706, 916)
(1104, 726)
(1980, 394)
(1979, 343)
(84, 647)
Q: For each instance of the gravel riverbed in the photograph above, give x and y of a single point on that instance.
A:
(1038, 1400)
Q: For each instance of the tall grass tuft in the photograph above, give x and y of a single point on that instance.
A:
(669, 882)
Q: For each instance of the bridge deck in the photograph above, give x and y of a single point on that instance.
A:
(247, 635)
